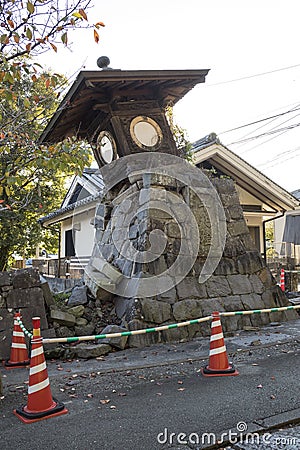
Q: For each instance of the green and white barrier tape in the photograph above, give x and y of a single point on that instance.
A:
(259, 311)
(156, 329)
(25, 331)
(126, 333)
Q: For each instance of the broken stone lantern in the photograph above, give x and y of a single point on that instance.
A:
(122, 115)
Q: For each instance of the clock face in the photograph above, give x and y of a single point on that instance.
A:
(106, 147)
(145, 132)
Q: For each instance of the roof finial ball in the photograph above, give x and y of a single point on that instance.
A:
(103, 62)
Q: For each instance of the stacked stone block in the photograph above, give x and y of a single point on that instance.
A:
(22, 291)
(241, 280)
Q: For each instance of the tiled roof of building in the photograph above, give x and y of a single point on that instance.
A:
(70, 207)
(93, 177)
(212, 139)
(296, 194)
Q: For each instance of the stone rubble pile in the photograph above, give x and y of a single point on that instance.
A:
(79, 315)
(83, 315)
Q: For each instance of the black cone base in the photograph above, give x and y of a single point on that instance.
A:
(26, 417)
(219, 373)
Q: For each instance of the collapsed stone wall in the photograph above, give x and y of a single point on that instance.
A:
(73, 312)
(22, 290)
(241, 280)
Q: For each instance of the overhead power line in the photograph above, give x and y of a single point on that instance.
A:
(279, 156)
(270, 119)
(276, 163)
(262, 143)
(254, 75)
(260, 120)
(270, 129)
(267, 133)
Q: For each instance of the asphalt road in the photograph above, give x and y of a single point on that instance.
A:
(149, 408)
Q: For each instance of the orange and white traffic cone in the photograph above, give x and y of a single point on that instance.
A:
(218, 365)
(282, 280)
(18, 353)
(40, 403)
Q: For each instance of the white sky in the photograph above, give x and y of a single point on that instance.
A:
(233, 39)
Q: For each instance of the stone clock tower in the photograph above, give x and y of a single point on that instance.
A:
(122, 112)
(158, 217)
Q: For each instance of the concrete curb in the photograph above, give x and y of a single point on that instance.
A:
(259, 426)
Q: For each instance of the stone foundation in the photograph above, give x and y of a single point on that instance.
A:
(241, 281)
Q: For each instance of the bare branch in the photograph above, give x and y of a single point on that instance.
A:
(23, 32)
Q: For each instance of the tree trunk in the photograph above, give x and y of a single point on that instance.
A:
(4, 255)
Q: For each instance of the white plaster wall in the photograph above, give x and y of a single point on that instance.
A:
(83, 232)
